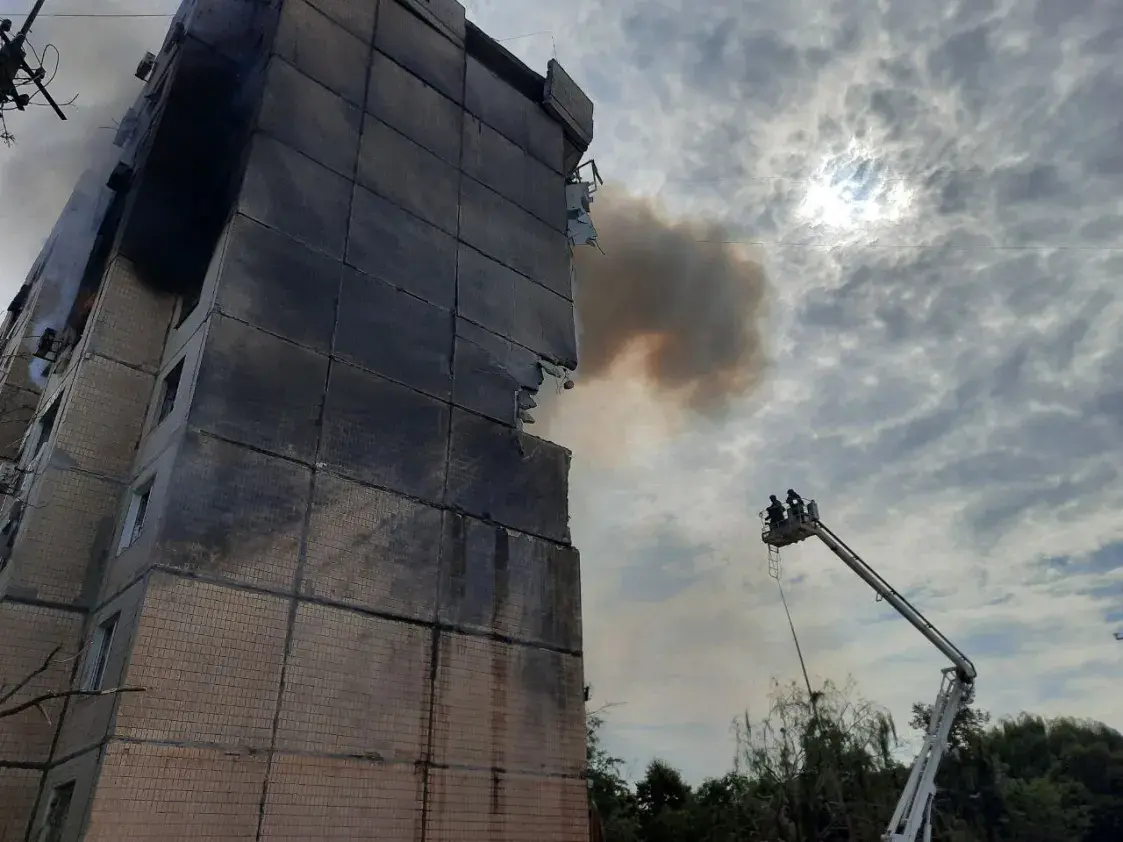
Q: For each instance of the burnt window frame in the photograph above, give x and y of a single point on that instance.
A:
(168, 395)
(45, 426)
(54, 818)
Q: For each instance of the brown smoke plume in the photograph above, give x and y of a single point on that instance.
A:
(672, 299)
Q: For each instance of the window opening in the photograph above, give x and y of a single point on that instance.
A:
(98, 655)
(58, 808)
(168, 391)
(47, 426)
(134, 519)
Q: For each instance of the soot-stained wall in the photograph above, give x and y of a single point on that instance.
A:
(362, 602)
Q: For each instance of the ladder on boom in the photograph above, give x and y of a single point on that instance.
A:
(798, 521)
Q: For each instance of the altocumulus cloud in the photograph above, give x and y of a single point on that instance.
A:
(943, 377)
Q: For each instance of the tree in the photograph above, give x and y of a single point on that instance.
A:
(822, 764)
(823, 767)
(609, 793)
(12, 705)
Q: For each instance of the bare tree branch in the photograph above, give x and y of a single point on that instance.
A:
(42, 668)
(38, 701)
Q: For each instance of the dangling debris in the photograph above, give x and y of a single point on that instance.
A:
(579, 192)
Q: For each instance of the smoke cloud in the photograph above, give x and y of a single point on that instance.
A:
(96, 61)
(672, 301)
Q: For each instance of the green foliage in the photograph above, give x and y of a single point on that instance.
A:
(826, 769)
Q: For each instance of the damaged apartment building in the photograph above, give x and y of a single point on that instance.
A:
(279, 560)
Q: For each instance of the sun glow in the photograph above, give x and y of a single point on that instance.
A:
(854, 193)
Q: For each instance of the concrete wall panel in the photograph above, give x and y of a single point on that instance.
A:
(504, 231)
(546, 194)
(176, 794)
(568, 103)
(335, 800)
(372, 549)
(394, 334)
(355, 685)
(481, 806)
(417, 110)
(390, 244)
(356, 16)
(259, 390)
(496, 102)
(63, 536)
(495, 161)
(445, 15)
(421, 49)
(385, 434)
(233, 30)
(322, 49)
(235, 514)
(29, 634)
(489, 371)
(497, 581)
(310, 118)
(278, 284)
(292, 193)
(512, 305)
(210, 657)
(507, 706)
(129, 321)
(545, 139)
(102, 418)
(396, 168)
(499, 474)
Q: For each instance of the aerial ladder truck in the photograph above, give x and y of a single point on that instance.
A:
(913, 814)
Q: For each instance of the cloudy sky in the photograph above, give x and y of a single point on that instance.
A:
(937, 200)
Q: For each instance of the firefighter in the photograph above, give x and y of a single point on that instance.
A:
(775, 512)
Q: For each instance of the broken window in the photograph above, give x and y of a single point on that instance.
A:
(58, 808)
(168, 391)
(188, 304)
(134, 518)
(46, 426)
(49, 345)
(98, 262)
(98, 656)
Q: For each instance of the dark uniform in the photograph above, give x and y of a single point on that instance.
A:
(775, 511)
(795, 504)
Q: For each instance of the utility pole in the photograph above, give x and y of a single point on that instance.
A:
(15, 72)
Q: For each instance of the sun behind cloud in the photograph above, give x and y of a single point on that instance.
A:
(854, 194)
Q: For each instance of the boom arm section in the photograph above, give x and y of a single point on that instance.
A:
(805, 523)
(914, 809)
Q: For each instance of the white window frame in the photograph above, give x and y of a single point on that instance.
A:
(97, 657)
(136, 516)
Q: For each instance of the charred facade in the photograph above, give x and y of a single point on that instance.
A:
(274, 365)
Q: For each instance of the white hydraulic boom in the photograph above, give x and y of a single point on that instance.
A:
(798, 521)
